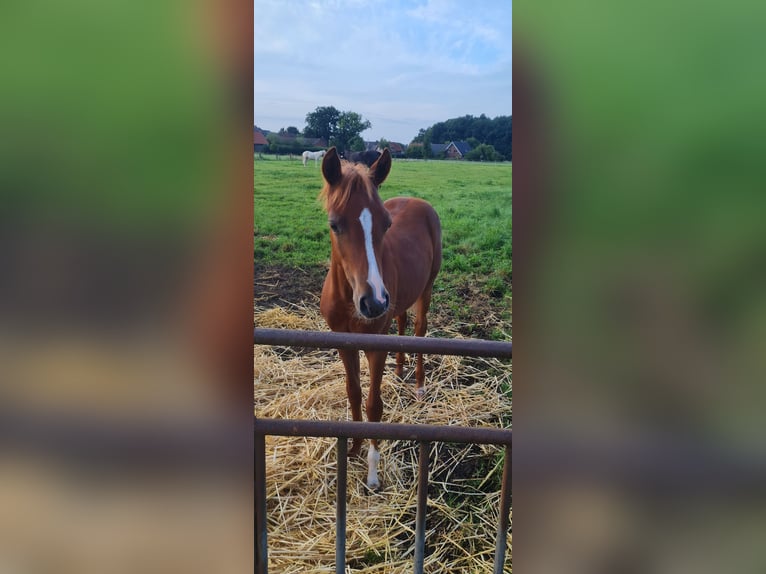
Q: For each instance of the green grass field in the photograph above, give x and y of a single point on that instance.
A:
(473, 201)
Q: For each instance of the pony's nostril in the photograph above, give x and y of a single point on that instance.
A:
(370, 307)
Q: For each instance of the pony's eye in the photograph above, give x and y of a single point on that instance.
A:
(334, 227)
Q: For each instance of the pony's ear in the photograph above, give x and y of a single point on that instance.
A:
(379, 170)
(331, 167)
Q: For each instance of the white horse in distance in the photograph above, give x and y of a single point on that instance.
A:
(315, 155)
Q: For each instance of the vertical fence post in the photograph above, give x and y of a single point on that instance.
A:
(343, 430)
(340, 507)
(420, 517)
(261, 542)
(505, 507)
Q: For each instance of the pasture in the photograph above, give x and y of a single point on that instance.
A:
(472, 297)
(473, 290)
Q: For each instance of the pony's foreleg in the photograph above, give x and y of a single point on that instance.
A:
(421, 325)
(353, 390)
(374, 407)
(401, 323)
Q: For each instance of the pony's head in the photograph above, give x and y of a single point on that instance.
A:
(358, 221)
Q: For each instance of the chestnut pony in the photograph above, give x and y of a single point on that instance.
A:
(384, 259)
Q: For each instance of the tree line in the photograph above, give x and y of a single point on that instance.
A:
(336, 128)
(490, 139)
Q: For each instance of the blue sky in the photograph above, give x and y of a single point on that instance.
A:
(403, 65)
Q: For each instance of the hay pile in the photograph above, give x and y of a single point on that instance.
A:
(464, 493)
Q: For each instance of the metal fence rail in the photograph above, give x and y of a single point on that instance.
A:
(383, 431)
(343, 430)
(433, 345)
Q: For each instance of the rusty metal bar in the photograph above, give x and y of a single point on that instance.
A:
(340, 508)
(261, 541)
(391, 343)
(386, 431)
(505, 507)
(420, 517)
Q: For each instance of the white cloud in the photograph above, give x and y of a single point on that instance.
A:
(403, 69)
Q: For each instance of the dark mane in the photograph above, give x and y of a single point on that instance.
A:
(368, 157)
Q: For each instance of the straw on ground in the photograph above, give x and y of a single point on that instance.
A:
(463, 496)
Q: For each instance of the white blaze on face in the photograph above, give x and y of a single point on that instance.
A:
(373, 457)
(373, 273)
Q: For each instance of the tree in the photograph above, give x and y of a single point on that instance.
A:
(500, 135)
(350, 125)
(419, 138)
(415, 150)
(356, 144)
(383, 143)
(496, 132)
(292, 131)
(322, 122)
(337, 128)
(483, 152)
(273, 142)
(427, 140)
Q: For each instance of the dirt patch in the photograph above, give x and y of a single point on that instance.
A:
(470, 310)
(275, 285)
(478, 314)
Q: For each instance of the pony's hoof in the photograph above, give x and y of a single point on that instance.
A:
(420, 393)
(374, 487)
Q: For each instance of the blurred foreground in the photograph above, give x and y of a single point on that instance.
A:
(125, 293)
(640, 288)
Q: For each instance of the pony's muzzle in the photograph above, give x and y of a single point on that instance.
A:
(371, 308)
